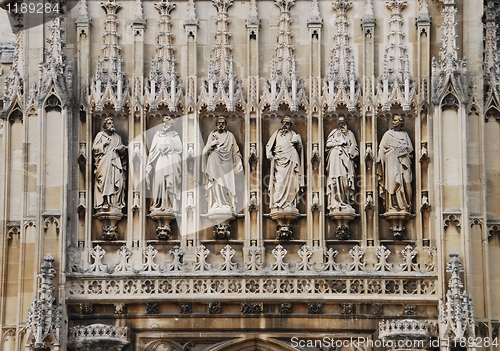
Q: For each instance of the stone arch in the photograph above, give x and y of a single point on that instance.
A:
(253, 344)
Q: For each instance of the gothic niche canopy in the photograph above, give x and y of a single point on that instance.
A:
(341, 85)
(109, 87)
(284, 86)
(396, 85)
(164, 87)
(222, 87)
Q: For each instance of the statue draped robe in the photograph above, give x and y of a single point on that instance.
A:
(287, 174)
(164, 179)
(109, 172)
(220, 166)
(394, 170)
(341, 168)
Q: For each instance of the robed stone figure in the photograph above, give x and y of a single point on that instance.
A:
(222, 162)
(342, 149)
(284, 149)
(109, 159)
(163, 169)
(394, 168)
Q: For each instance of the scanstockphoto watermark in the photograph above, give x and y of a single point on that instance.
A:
(410, 344)
(356, 343)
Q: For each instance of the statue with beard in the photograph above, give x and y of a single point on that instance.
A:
(284, 149)
(342, 149)
(109, 159)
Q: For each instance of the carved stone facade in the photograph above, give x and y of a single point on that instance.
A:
(249, 175)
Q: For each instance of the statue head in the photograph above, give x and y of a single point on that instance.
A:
(221, 124)
(341, 124)
(167, 122)
(398, 121)
(108, 124)
(286, 123)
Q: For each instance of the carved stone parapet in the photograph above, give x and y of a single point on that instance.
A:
(397, 221)
(285, 217)
(392, 332)
(109, 228)
(98, 336)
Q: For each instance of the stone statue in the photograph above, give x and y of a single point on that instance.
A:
(342, 149)
(394, 168)
(222, 162)
(284, 149)
(109, 155)
(163, 169)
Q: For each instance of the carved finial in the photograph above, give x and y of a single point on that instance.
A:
(456, 315)
(139, 13)
(83, 13)
(284, 5)
(253, 15)
(369, 8)
(222, 5)
(315, 15)
(191, 13)
(45, 320)
(424, 7)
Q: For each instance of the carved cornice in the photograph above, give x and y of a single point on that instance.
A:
(284, 86)
(164, 87)
(396, 84)
(449, 71)
(342, 85)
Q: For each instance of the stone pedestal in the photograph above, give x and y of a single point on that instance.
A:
(285, 217)
(163, 219)
(342, 216)
(109, 228)
(397, 221)
(221, 217)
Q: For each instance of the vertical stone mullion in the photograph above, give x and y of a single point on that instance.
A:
(368, 126)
